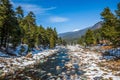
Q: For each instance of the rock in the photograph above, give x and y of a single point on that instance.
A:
(63, 73)
(49, 74)
(73, 71)
(71, 77)
(2, 75)
(21, 75)
(68, 72)
(29, 55)
(11, 71)
(68, 65)
(98, 78)
(57, 67)
(110, 78)
(58, 78)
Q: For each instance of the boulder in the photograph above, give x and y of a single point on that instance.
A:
(2, 75)
(68, 65)
(29, 55)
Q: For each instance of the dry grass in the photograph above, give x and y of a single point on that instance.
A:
(106, 47)
(112, 65)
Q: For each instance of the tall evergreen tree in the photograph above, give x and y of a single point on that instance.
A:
(118, 24)
(108, 27)
(118, 11)
(30, 29)
(97, 35)
(8, 23)
(52, 41)
(15, 28)
(20, 18)
(89, 37)
(19, 13)
(81, 40)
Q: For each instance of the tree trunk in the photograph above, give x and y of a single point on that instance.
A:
(1, 40)
(2, 36)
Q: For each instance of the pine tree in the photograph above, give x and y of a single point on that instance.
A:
(108, 27)
(59, 41)
(19, 13)
(118, 24)
(52, 42)
(9, 27)
(89, 37)
(41, 36)
(118, 11)
(20, 17)
(81, 40)
(30, 29)
(15, 28)
(97, 35)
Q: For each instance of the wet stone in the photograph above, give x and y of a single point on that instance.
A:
(98, 78)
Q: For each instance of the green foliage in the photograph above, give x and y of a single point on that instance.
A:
(117, 40)
(118, 10)
(59, 41)
(15, 28)
(19, 13)
(8, 23)
(52, 37)
(108, 27)
(89, 37)
(81, 41)
(52, 42)
(97, 35)
(109, 32)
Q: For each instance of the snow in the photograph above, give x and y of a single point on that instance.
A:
(3, 54)
(75, 30)
(74, 48)
(28, 63)
(17, 51)
(22, 62)
(90, 59)
(113, 53)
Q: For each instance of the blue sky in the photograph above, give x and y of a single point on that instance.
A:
(66, 15)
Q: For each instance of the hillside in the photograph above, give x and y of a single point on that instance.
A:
(70, 36)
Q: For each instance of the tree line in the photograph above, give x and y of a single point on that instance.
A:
(16, 28)
(108, 34)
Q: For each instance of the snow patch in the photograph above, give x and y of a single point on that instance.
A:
(75, 30)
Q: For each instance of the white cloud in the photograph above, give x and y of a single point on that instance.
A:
(34, 8)
(58, 19)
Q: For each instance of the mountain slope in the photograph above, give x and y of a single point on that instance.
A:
(69, 36)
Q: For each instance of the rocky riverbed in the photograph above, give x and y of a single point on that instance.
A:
(12, 65)
(89, 62)
(63, 63)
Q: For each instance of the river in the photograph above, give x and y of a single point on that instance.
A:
(52, 69)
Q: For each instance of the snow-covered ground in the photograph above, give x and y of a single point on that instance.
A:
(10, 65)
(90, 61)
(3, 55)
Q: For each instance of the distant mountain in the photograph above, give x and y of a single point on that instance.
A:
(74, 35)
(97, 25)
